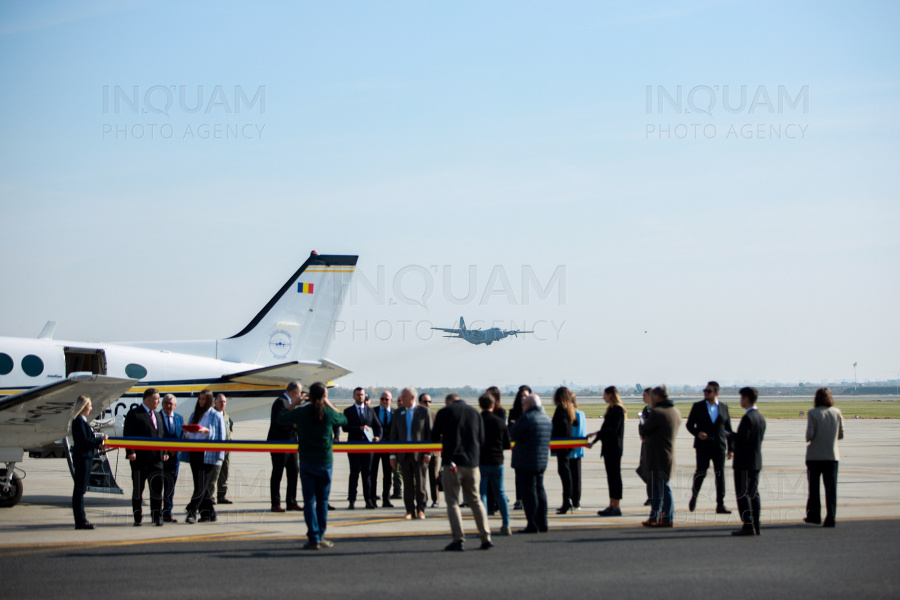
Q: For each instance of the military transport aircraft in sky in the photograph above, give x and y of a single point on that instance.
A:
(40, 379)
(477, 336)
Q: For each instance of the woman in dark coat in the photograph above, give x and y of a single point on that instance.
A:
(514, 413)
(85, 443)
(612, 437)
(563, 419)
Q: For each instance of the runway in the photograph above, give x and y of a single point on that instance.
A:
(856, 559)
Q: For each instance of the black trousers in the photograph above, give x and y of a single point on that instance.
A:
(575, 469)
(746, 488)
(143, 474)
(704, 457)
(565, 475)
(433, 478)
(170, 469)
(360, 464)
(280, 463)
(383, 459)
(82, 468)
(828, 471)
(201, 499)
(534, 498)
(613, 466)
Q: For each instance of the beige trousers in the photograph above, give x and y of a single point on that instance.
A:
(469, 480)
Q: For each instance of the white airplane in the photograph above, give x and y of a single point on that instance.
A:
(40, 379)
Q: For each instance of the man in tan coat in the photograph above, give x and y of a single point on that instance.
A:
(659, 430)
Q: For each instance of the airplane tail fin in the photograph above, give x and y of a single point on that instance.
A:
(462, 324)
(298, 322)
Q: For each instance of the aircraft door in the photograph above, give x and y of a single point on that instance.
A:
(88, 360)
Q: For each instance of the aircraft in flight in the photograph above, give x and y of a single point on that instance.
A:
(40, 379)
(477, 336)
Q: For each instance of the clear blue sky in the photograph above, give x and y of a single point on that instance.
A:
(503, 134)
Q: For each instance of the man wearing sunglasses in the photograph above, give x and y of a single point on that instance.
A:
(710, 424)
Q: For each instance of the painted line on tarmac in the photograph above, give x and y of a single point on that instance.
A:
(23, 549)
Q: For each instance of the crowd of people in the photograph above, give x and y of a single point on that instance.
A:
(471, 471)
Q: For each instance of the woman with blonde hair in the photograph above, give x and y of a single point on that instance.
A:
(824, 427)
(612, 436)
(84, 445)
(563, 419)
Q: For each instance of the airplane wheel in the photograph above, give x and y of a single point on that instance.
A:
(11, 497)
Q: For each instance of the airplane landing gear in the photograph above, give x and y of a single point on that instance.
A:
(11, 487)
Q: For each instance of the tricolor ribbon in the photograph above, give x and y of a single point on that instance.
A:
(185, 445)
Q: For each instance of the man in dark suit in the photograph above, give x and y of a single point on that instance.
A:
(412, 423)
(385, 414)
(281, 461)
(361, 420)
(143, 421)
(710, 424)
(748, 462)
(171, 425)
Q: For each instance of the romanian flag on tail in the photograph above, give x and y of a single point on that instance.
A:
(304, 288)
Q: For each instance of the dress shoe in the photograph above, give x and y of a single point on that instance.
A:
(435, 504)
(352, 505)
(370, 505)
(387, 504)
(650, 523)
(828, 523)
(85, 525)
(812, 521)
(277, 509)
(517, 505)
(330, 507)
(137, 523)
(224, 501)
(396, 496)
(544, 530)
(311, 545)
(744, 531)
(169, 519)
(756, 531)
(527, 530)
(420, 515)
(692, 503)
(326, 543)
(505, 530)
(158, 522)
(294, 506)
(721, 510)
(563, 510)
(648, 502)
(375, 498)
(610, 512)
(487, 545)
(455, 547)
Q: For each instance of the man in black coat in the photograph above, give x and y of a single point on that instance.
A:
(281, 461)
(748, 462)
(144, 421)
(710, 424)
(361, 423)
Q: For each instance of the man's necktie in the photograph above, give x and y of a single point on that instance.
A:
(153, 418)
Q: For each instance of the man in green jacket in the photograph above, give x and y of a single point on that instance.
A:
(315, 423)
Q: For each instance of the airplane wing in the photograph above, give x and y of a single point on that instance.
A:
(42, 415)
(306, 372)
(447, 330)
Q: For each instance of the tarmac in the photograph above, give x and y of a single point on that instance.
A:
(868, 482)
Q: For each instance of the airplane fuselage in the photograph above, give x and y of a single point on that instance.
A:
(37, 362)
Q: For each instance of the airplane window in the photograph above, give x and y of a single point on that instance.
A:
(32, 365)
(135, 371)
(6, 364)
